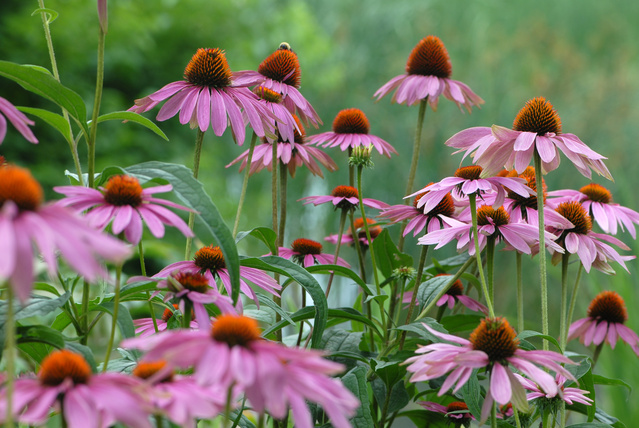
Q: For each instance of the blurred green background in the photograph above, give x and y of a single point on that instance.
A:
(582, 56)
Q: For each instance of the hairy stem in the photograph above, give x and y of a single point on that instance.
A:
(520, 295)
(413, 299)
(247, 174)
(563, 339)
(490, 266)
(114, 320)
(473, 212)
(573, 300)
(96, 107)
(542, 249)
(342, 222)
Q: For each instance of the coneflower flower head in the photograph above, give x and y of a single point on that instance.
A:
(17, 119)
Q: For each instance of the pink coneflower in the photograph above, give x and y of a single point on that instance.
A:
(591, 247)
(491, 223)
(350, 130)
(428, 73)
(209, 261)
(537, 127)
(211, 95)
(281, 73)
(569, 395)
(597, 200)
(344, 197)
(360, 231)
(308, 253)
(292, 153)
(25, 222)
(458, 419)
(124, 201)
(494, 346)
(65, 383)
(18, 119)
(456, 294)
(418, 218)
(606, 317)
(181, 398)
(467, 180)
(144, 326)
(272, 376)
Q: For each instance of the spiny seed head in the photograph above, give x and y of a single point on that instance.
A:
(529, 176)
(577, 215)
(210, 258)
(496, 338)
(306, 246)
(168, 313)
(190, 281)
(361, 232)
(608, 306)
(456, 406)
(405, 273)
(123, 190)
(283, 66)
(597, 193)
(235, 330)
(18, 185)
(445, 207)
(499, 216)
(538, 116)
(351, 121)
(429, 58)
(61, 365)
(209, 68)
(146, 369)
(345, 192)
(267, 95)
(472, 172)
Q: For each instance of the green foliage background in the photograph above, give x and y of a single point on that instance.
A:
(582, 56)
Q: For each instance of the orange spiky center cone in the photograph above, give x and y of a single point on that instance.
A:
(608, 306)
(123, 190)
(496, 338)
(146, 369)
(192, 281)
(429, 58)
(18, 185)
(306, 246)
(499, 216)
(577, 215)
(235, 330)
(373, 229)
(210, 258)
(283, 66)
(597, 193)
(61, 365)
(209, 68)
(456, 406)
(472, 172)
(529, 176)
(538, 116)
(351, 121)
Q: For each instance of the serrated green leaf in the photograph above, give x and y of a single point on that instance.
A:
(355, 381)
(397, 399)
(55, 120)
(264, 234)
(135, 118)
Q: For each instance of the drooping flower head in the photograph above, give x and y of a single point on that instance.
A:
(211, 95)
(607, 315)
(537, 128)
(456, 294)
(26, 223)
(307, 252)
(349, 236)
(343, 197)
(350, 130)
(17, 119)
(428, 72)
(569, 395)
(456, 412)
(145, 327)
(126, 205)
(65, 382)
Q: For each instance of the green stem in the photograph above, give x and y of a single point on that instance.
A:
(114, 320)
(247, 174)
(96, 107)
(544, 419)
(414, 162)
(440, 313)
(542, 249)
(340, 233)
(148, 294)
(394, 302)
(520, 295)
(9, 351)
(85, 313)
(473, 212)
(573, 301)
(516, 414)
(563, 339)
(493, 415)
(274, 188)
(227, 407)
(596, 354)
(186, 316)
(282, 226)
(199, 139)
(358, 248)
(159, 422)
(490, 266)
(413, 299)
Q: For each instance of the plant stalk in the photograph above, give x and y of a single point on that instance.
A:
(542, 248)
(199, 138)
(114, 320)
(247, 174)
(340, 233)
(473, 211)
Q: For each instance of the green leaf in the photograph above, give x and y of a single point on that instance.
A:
(209, 225)
(336, 341)
(398, 397)
(40, 334)
(387, 255)
(428, 290)
(471, 395)
(55, 120)
(390, 372)
(590, 425)
(530, 333)
(244, 422)
(461, 322)
(52, 14)
(124, 321)
(306, 280)
(137, 290)
(44, 84)
(342, 271)
(135, 118)
(602, 380)
(418, 328)
(355, 381)
(37, 306)
(264, 234)
(445, 265)
(268, 301)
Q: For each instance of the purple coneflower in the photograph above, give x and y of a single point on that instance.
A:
(124, 201)
(18, 119)
(145, 327)
(210, 95)
(605, 321)
(428, 73)
(456, 294)
(569, 395)
(350, 130)
(494, 346)
(537, 127)
(308, 253)
(25, 222)
(65, 383)
(597, 200)
(344, 197)
(272, 376)
(451, 412)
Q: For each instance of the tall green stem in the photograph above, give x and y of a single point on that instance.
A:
(542, 248)
(473, 212)
(358, 248)
(414, 162)
(96, 107)
(573, 300)
(199, 139)
(274, 193)
(282, 226)
(564, 299)
(366, 229)
(413, 299)
(247, 174)
(114, 320)
(340, 233)
(490, 266)
(520, 295)
(186, 316)
(148, 294)
(9, 351)
(85, 312)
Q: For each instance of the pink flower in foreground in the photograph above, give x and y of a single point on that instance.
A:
(537, 127)
(18, 119)
(350, 130)
(308, 253)
(418, 218)
(569, 395)
(427, 75)
(181, 398)
(344, 197)
(65, 383)
(591, 247)
(493, 345)
(209, 261)
(26, 223)
(211, 95)
(606, 317)
(124, 201)
(597, 200)
(281, 73)
(272, 376)
(144, 326)
(457, 419)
